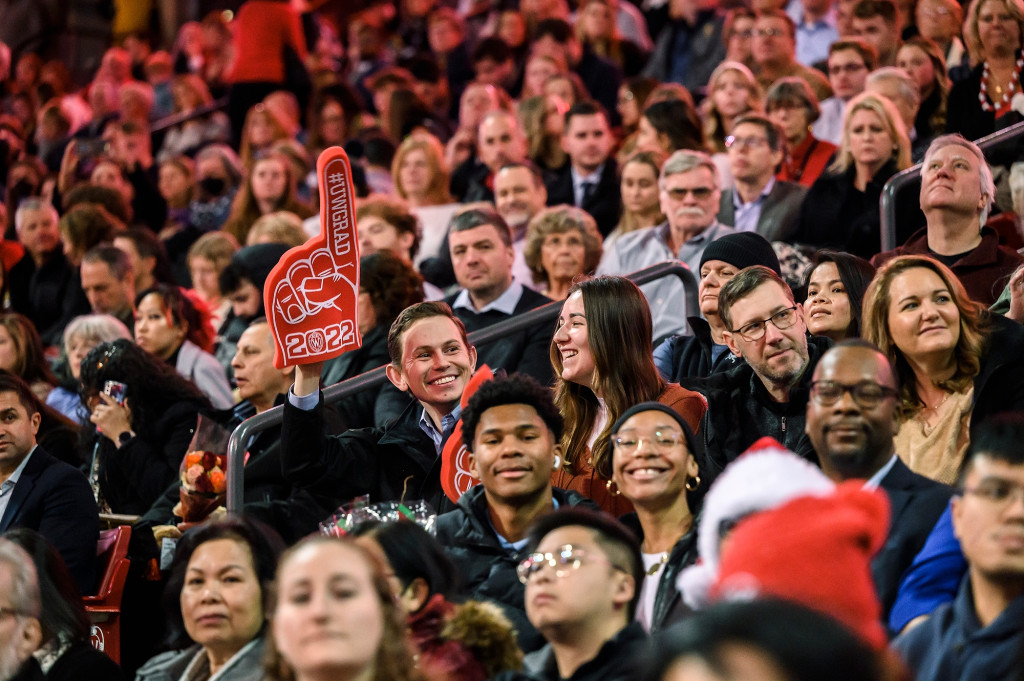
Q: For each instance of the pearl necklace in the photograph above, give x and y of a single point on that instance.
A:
(1004, 101)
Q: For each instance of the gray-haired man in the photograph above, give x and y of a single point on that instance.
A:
(690, 196)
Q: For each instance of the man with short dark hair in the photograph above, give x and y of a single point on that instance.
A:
(979, 635)
(431, 358)
(582, 576)
(768, 394)
(512, 431)
(590, 180)
(493, 64)
(852, 417)
(877, 22)
(758, 202)
(40, 492)
(849, 62)
(774, 51)
(482, 256)
(109, 283)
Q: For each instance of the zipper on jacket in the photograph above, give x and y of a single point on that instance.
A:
(783, 428)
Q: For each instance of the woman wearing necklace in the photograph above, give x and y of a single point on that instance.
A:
(956, 363)
(654, 465)
(982, 103)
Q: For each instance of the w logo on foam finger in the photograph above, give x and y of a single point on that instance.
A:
(311, 295)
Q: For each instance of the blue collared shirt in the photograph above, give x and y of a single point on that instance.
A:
(7, 487)
(747, 215)
(448, 422)
(505, 303)
(813, 39)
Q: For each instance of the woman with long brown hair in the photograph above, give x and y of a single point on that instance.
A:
(602, 356)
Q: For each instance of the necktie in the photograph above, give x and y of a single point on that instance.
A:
(588, 192)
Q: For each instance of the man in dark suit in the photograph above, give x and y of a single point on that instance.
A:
(590, 181)
(41, 493)
(758, 202)
(851, 420)
(602, 77)
(480, 242)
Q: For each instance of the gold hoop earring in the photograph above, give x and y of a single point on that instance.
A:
(608, 486)
(695, 481)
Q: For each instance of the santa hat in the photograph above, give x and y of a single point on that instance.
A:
(767, 475)
(815, 550)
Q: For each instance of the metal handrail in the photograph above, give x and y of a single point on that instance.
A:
(887, 212)
(178, 118)
(371, 379)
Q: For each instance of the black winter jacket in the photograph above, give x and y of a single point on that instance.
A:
(487, 569)
(741, 411)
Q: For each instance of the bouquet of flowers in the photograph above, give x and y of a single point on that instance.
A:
(203, 472)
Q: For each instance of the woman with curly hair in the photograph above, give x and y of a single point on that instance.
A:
(602, 356)
(142, 434)
(174, 327)
(369, 638)
(387, 285)
(271, 186)
(21, 353)
(562, 244)
(956, 363)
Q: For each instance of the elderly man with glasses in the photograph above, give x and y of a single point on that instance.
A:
(690, 196)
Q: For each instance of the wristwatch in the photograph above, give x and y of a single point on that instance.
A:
(125, 437)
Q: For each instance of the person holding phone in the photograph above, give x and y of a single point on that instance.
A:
(145, 414)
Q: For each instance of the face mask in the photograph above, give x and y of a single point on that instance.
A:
(213, 186)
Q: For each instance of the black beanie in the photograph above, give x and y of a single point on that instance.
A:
(742, 249)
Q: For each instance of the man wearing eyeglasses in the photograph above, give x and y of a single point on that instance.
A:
(849, 62)
(767, 395)
(980, 634)
(21, 632)
(758, 202)
(512, 430)
(852, 417)
(582, 577)
(774, 51)
(690, 197)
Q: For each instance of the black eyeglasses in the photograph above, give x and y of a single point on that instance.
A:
(783, 319)
(866, 394)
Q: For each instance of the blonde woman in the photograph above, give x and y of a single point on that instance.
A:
(841, 210)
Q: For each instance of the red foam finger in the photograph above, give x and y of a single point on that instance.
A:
(311, 294)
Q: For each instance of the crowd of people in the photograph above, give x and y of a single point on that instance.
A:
(803, 461)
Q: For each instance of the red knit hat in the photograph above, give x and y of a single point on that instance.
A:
(814, 550)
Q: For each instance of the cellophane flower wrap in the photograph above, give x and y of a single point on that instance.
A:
(360, 510)
(204, 471)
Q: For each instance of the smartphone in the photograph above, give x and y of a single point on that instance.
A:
(115, 389)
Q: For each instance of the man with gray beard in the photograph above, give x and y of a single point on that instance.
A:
(20, 630)
(690, 195)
